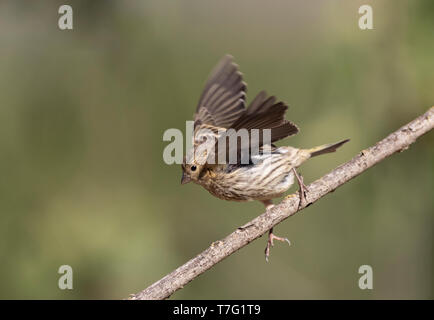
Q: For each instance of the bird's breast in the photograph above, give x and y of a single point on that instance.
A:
(268, 178)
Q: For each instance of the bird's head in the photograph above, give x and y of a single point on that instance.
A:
(190, 172)
(193, 163)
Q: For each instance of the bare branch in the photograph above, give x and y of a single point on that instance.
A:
(398, 141)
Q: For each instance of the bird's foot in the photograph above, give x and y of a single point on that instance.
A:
(268, 204)
(270, 242)
(303, 188)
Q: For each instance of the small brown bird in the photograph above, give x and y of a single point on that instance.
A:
(269, 172)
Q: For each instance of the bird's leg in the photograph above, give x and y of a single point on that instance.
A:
(303, 188)
(270, 242)
(271, 237)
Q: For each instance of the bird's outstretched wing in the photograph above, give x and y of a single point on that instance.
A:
(222, 107)
(222, 102)
(223, 99)
(263, 113)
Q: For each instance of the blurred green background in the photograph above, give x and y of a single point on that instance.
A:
(82, 117)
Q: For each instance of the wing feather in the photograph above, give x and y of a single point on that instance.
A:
(223, 98)
(263, 113)
(222, 106)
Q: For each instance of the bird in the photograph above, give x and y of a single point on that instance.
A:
(259, 170)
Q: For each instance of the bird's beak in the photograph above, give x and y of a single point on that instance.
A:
(185, 178)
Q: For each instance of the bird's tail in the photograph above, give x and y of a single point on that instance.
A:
(326, 148)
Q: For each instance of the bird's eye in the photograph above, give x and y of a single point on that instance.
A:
(193, 168)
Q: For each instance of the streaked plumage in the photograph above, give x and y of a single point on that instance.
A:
(222, 106)
(266, 175)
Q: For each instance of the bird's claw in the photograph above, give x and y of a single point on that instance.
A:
(270, 243)
(303, 189)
